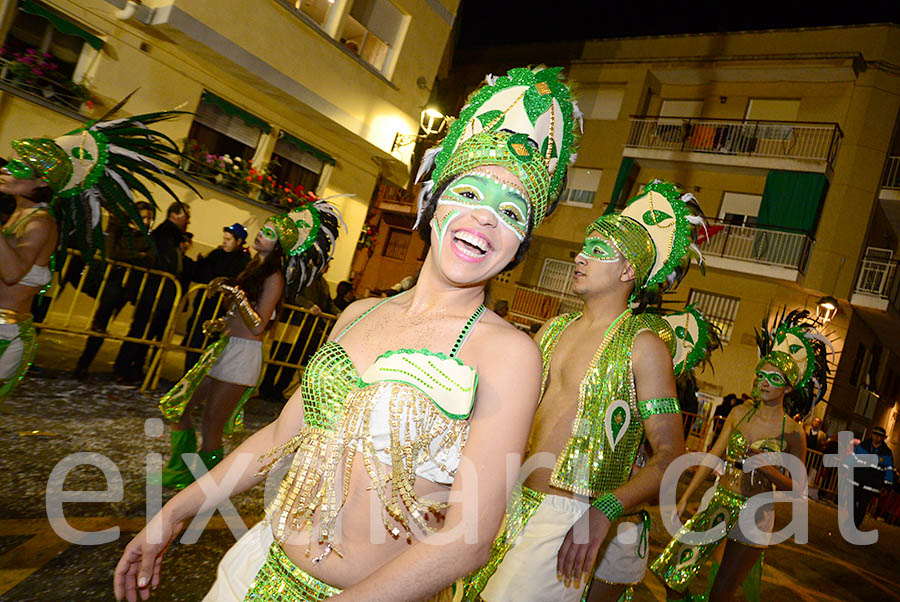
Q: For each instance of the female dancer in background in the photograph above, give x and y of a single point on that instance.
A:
(793, 360)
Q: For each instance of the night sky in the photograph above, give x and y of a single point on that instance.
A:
(491, 22)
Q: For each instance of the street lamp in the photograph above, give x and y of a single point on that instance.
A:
(826, 309)
(431, 123)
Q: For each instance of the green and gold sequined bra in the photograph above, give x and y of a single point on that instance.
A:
(737, 443)
(406, 414)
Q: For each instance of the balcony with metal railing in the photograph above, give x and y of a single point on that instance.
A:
(877, 286)
(891, 179)
(787, 145)
(535, 305)
(774, 253)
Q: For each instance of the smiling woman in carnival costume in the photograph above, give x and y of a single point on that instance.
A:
(60, 186)
(791, 372)
(227, 373)
(402, 425)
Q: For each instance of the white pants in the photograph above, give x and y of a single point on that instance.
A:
(241, 563)
(528, 572)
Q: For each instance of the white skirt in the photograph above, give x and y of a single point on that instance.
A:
(240, 564)
(239, 363)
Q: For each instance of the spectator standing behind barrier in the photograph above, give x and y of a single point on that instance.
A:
(344, 296)
(188, 265)
(722, 413)
(870, 480)
(815, 436)
(167, 238)
(317, 299)
(130, 245)
(225, 261)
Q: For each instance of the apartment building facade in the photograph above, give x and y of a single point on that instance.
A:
(789, 140)
(310, 95)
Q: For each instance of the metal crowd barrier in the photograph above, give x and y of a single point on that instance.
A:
(66, 313)
(297, 334)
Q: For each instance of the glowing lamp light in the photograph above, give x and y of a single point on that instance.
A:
(826, 309)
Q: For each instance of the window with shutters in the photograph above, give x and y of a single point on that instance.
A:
(295, 164)
(222, 134)
(720, 310)
(581, 187)
(373, 31)
(49, 55)
(397, 243)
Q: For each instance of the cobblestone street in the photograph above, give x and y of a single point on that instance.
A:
(52, 416)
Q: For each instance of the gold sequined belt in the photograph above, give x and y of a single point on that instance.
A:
(8, 316)
(280, 580)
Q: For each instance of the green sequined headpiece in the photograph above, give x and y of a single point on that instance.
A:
(793, 344)
(47, 160)
(96, 167)
(695, 338)
(307, 235)
(523, 121)
(656, 233)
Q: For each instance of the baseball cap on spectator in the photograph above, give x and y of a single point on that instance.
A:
(236, 230)
(878, 430)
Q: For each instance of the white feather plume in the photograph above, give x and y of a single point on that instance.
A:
(92, 195)
(427, 162)
(118, 150)
(578, 115)
(424, 191)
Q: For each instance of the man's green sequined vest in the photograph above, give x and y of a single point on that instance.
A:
(607, 429)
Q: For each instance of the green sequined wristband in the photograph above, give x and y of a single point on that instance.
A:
(663, 405)
(609, 505)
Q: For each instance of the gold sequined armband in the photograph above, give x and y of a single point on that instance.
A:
(663, 405)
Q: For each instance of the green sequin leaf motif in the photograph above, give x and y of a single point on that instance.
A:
(487, 119)
(521, 147)
(618, 416)
(683, 334)
(82, 153)
(655, 217)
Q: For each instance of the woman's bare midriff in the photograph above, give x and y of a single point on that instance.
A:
(17, 297)
(364, 543)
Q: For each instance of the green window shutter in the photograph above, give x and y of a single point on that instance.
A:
(232, 110)
(618, 190)
(308, 148)
(792, 200)
(63, 25)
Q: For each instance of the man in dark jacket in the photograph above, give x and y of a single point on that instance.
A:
(147, 322)
(227, 260)
(126, 244)
(871, 479)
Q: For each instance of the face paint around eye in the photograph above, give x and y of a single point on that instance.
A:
(504, 199)
(20, 170)
(774, 378)
(599, 250)
(268, 233)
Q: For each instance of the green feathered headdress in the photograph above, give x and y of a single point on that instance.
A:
(792, 343)
(523, 121)
(100, 166)
(657, 233)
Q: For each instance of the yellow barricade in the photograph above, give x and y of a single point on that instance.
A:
(73, 313)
